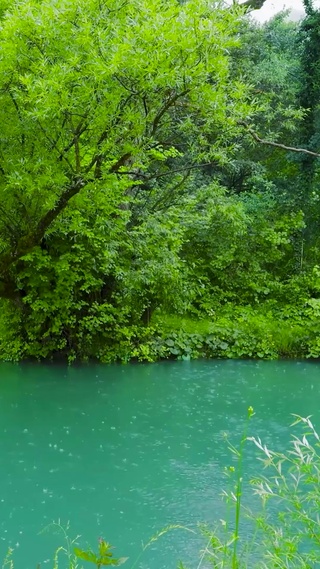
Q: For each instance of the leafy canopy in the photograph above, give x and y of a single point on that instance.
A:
(92, 92)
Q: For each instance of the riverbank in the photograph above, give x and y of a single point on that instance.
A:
(262, 332)
(235, 332)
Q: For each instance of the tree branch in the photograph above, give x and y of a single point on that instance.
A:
(77, 154)
(162, 174)
(257, 138)
(16, 106)
(165, 108)
(78, 131)
(53, 213)
(34, 237)
(99, 156)
(169, 193)
(53, 143)
(120, 162)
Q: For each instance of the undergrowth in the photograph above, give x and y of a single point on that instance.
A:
(265, 331)
(232, 333)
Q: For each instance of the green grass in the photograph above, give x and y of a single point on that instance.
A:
(241, 332)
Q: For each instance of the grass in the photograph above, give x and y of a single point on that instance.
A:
(286, 530)
(246, 331)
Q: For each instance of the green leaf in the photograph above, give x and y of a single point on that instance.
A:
(86, 555)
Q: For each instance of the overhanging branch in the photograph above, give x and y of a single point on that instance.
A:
(257, 138)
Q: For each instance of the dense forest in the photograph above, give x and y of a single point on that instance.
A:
(159, 175)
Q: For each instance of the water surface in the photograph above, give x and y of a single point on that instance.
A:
(122, 451)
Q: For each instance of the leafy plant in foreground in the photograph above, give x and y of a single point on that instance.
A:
(285, 531)
(102, 558)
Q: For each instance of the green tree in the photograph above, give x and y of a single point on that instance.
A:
(99, 104)
(309, 133)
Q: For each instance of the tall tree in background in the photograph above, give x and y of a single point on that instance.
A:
(307, 192)
(310, 85)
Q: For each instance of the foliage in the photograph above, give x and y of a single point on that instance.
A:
(284, 532)
(131, 195)
(100, 104)
(132, 96)
(102, 558)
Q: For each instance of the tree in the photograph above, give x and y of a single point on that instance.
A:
(309, 38)
(89, 91)
(269, 59)
(99, 103)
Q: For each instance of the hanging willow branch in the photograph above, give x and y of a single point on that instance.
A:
(277, 144)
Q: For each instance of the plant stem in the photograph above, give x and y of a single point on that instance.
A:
(235, 563)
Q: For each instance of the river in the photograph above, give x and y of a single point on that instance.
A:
(120, 452)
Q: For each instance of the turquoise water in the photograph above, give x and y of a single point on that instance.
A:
(122, 451)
